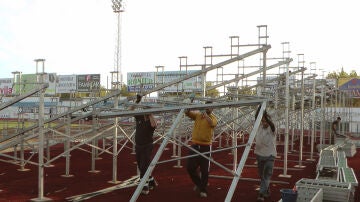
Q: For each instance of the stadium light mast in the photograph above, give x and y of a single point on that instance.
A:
(117, 6)
(116, 83)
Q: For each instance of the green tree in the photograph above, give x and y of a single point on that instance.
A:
(213, 92)
(343, 74)
(125, 92)
(353, 74)
(332, 75)
(246, 90)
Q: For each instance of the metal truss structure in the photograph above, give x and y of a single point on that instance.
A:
(246, 79)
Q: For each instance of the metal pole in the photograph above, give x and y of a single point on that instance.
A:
(117, 8)
(67, 147)
(322, 138)
(245, 154)
(41, 145)
(116, 125)
(157, 156)
(286, 144)
(293, 122)
(313, 121)
(41, 136)
(301, 122)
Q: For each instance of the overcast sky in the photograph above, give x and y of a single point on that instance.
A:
(79, 36)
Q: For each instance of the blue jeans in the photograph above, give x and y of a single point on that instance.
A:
(265, 169)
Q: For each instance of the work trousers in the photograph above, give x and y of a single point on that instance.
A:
(265, 169)
(143, 157)
(193, 163)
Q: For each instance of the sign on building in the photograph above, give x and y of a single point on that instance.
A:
(29, 82)
(88, 82)
(51, 79)
(140, 81)
(189, 85)
(6, 86)
(66, 84)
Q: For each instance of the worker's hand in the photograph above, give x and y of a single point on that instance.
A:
(203, 114)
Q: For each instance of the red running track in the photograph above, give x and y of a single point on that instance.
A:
(174, 183)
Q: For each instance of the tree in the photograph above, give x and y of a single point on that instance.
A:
(125, 92)
(353, 74)
(332, 75)
(213, 92)
(341, 74)
(246, 90)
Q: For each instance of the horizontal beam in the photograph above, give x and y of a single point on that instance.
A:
(249, 102)
(282, 76)
(116, 93)
(250, 74)
(211, 67)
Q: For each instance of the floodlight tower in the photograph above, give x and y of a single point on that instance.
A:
(116, 84)
(117, 7)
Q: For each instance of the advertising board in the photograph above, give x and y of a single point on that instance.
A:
(28, 82)
(66, 84)
(140, 81)
(6, 86)
(189, 85)
(88, 82)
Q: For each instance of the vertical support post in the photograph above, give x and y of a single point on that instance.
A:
(67, 147)
(41, 145)
(234, 132)
(313, 129)
(293, 122)
(41, 136)
(286, 144)
(94, 142)
(287, 84)
(115, 148)
(322, 138)
(301, 65)
(203, 82)
(22, 159)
